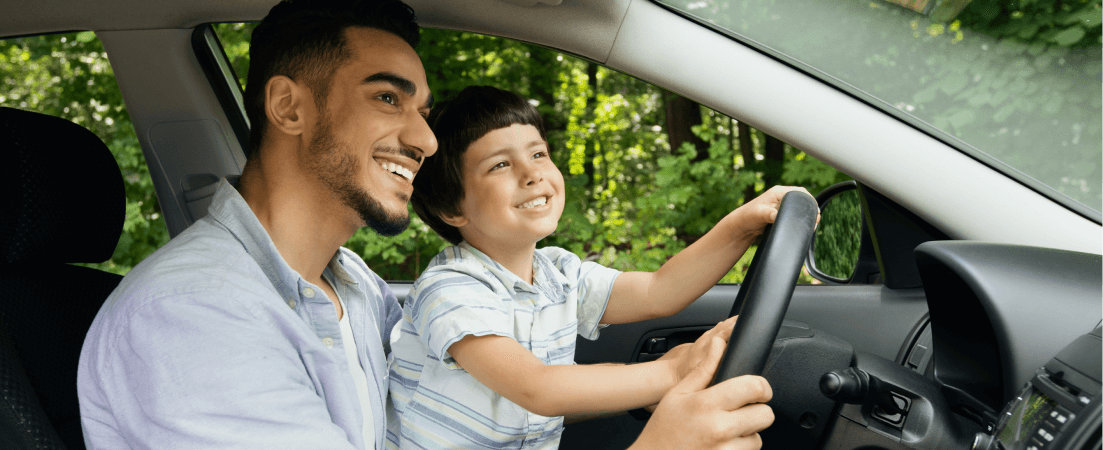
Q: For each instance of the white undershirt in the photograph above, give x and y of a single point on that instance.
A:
(359, 378)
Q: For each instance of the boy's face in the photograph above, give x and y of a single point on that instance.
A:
(513, 192)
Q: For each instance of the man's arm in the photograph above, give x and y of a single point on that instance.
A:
(640, 296)
(183, 372)
(515, 373)
(728, 415)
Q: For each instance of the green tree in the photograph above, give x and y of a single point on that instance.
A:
(1005, 76)
(69, 76)
(632, 201)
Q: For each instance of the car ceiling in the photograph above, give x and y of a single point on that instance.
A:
(594, 24)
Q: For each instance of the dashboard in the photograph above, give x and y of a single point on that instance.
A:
(1013, 346)
(1010, 359)
(1058, 408)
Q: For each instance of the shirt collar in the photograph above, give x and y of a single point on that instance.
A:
(229, 209)
(545, 276)
(337, 265)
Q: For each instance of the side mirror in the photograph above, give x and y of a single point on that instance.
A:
(833, 255)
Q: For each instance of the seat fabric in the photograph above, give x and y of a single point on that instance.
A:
(62, 201)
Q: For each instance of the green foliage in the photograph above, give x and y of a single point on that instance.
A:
(839, 235)
(69, 76)
(631, 202)
(1065, 23)
(1018, 81)
(234, 38)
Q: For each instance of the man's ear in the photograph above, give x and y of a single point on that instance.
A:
(457, 220)
(284, 100)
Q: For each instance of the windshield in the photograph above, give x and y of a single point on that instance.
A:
(1014, 83)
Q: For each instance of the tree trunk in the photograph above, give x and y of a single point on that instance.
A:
(774, 161)
(591, 101)
(682, 114)
(746, 148)
(542, 83)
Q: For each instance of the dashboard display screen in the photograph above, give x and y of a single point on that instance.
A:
(1025, 419)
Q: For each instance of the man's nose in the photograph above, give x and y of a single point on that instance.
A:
(417, 134)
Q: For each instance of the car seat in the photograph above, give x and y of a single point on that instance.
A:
(61, 202)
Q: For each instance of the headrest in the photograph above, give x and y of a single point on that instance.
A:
(63, 198)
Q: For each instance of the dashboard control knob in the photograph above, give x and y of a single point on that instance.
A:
(855, 386)
(848, 386)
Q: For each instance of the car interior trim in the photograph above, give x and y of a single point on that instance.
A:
(223, 81)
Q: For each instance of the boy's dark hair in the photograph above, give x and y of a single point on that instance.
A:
(305, 40)
(474, 112)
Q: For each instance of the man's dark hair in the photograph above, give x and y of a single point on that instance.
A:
(304, 40)
(474, 112)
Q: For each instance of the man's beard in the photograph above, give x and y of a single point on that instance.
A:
(336, 166)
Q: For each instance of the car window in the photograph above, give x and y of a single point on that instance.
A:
(1014, 84)
(632, 201)
(69, 76)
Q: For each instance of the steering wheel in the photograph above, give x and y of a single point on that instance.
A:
(764, 296)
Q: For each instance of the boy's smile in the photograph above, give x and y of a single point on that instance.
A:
(513, 192)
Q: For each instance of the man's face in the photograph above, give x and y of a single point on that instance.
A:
(370, 140)
(513, 192)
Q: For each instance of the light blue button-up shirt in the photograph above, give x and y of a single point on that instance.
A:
(215, 342)
(465, 293)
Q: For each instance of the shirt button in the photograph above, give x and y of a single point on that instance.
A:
(308, 293)
(291, 303)
(328, 342)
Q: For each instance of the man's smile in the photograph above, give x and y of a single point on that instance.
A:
(396, 169)
(401, 162)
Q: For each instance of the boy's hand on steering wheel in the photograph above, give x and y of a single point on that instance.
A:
(726, 416)
(751, 218)
(686, 357)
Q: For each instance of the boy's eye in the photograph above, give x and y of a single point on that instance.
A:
(540, 154)
(500, 165)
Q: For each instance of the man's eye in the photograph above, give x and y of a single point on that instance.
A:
(389, 98)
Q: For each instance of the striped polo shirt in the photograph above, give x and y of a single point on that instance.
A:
(464, 292)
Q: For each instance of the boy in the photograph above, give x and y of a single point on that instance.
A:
(485, 355)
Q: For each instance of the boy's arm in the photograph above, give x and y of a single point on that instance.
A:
(640, 296)
(515, 373)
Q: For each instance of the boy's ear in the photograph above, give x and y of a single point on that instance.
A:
(457, 220)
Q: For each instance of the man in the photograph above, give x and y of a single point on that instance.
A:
(254, 328)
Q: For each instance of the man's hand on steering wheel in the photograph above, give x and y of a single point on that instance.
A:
(726, 416)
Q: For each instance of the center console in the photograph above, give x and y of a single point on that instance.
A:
(1059, 408)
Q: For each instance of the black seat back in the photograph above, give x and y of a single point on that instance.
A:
(62, 201)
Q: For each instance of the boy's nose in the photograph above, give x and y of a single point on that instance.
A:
(532, 174)
(534, 177)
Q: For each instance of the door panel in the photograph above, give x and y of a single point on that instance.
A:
(874, 319)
